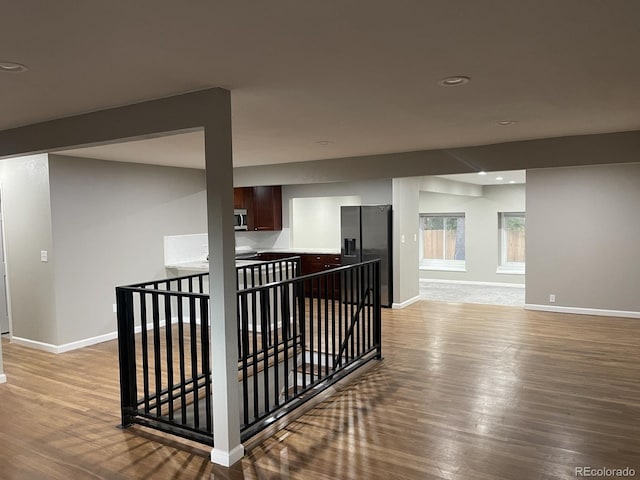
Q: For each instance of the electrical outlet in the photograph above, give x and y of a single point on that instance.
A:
(415, 237)
(44, 256)
(401, 238)
(115, 308)
(552, 298)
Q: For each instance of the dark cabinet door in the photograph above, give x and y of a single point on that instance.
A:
(266, 203)
(314, 263)
(239, 197)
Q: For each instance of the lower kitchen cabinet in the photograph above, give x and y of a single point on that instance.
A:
(311, 263)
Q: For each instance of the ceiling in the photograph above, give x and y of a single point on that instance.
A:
(362, 75)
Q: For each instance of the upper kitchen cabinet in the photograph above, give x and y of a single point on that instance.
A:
(239, 198)
(263, 205)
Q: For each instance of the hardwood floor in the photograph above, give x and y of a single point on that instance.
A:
(464, 392)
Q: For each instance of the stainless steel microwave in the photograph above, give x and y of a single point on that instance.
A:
(240, 215)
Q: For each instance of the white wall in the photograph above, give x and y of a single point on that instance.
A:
(582, 237)
(315, 221)
(482, 239)
(27, 211)
(109, 221)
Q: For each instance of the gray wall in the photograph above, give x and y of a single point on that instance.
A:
(27, 212)
(582, 237)
(109, 220)
(482, 240)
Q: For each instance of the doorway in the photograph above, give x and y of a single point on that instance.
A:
(472, 238)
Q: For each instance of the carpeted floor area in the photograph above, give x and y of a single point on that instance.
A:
(461, 293)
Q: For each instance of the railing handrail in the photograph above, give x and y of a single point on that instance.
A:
(306, 277)
(174, 293)
(203, 274)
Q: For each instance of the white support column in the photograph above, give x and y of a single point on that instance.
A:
(406, 273)
(222, 284)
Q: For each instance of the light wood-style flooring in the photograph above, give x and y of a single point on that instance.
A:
(464, 392)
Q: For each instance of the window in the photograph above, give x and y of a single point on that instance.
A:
(512, 243)
(442, 241)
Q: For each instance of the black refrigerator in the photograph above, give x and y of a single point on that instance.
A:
(366, 232)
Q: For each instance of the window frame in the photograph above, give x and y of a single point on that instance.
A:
(504, 266)
(441, 264)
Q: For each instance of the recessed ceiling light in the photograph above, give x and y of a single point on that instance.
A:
(499, 178)
(454, 81)
(482, 173)
(323, 142)
(512, 181)
(504, 123)
(12, 67)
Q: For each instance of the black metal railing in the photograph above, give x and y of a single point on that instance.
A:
(290, 347)
(293, 347)
(164, 347)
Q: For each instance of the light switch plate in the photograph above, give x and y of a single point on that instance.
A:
(44, 256)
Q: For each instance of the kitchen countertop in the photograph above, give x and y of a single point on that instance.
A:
(203, 265)
(322, 251)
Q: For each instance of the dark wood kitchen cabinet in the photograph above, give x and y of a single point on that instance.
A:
(263, 205)
(311, 263)
(314, 263)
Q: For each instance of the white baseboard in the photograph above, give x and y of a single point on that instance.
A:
(226, 459)
(67, 347)
(86, 342)
(3, 378)
(469, 282)
(582, 311)
(406, 303)
(25, 342)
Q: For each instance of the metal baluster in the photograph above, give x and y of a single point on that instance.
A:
(157, 362)
(353, 303)
(311, 337)
(376, 311)
(127, 356)
(303, 334)
(254, 361)
(145, 350)
(356, 333)
(193, 335)
(183, 379)
(343, 283)
(276, 356)
(326, 324)
(169, 346)
(265, 320)
(245, 357)
(206, 362)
